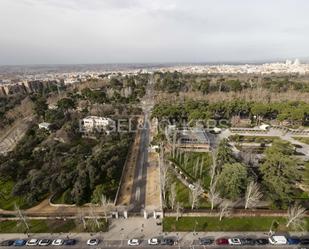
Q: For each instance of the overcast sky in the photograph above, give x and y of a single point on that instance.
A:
(124, 31)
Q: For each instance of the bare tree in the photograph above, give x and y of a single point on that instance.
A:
(174, 144)
(225, 209)
(105, 205)
(213, 168)
(93, 216)
(173, 195)
(213, 195)
(179, 209)
(295, 217)
(163, 174)
(201, 167)
(253, 195)
(81, 217)
(21, 217)
(196, 167)
(196, 192)
(185, 160)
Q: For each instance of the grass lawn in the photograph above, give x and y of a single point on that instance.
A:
(183, 195)
(305, 174)
(191, 169)
(7, 201)
(51, 226)
(199, 173)
(302, 139)
(236, 224)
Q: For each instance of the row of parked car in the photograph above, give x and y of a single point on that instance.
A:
(46, 242)
(273, 240)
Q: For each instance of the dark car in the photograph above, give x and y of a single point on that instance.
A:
(222, 241)
(167, 242)
(206, 241)
(247, 241)
(7, 243)
(293, 241)
(20, 242)
(304, 241)
(262, 241)
(69, 242)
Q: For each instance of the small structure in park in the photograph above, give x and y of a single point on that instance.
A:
(45, 126)
(193, 139)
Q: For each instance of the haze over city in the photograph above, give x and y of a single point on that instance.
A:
(135, 31)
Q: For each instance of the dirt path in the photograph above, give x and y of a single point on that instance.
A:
(153, 183)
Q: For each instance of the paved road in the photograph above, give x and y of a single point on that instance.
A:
(138, 195)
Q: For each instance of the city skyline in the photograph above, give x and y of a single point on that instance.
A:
(83, 32)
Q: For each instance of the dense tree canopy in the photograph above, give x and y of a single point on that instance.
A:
(279, 171)
(232, 181)
(296, 112)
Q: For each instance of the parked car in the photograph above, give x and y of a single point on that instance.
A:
(304, 241)
(32, 242)
(93, 242)
(206, 241)
(293, 240)
(222, 241)
(57, 242)
(7, 243)
(167, 242)
(69, 242)
(153, 241)
(262, 241)
(278, 240)
(192, 187)
(248, 241)
(133, 242)
(44, 242)
(234, 241)
(20, 242)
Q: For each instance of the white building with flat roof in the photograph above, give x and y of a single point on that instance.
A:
(92, 123)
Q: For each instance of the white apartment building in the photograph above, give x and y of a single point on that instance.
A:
(92, 123)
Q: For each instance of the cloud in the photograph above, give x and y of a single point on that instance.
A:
(99, 31)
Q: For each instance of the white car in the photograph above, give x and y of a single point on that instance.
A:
(93, 242)
(133, 242)
(153, 241)
(32, 242)
(44, 242)
(234, 241)
(278, 240)
(57, 242)
(192, 187)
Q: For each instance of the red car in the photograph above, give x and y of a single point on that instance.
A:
(222, 241)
